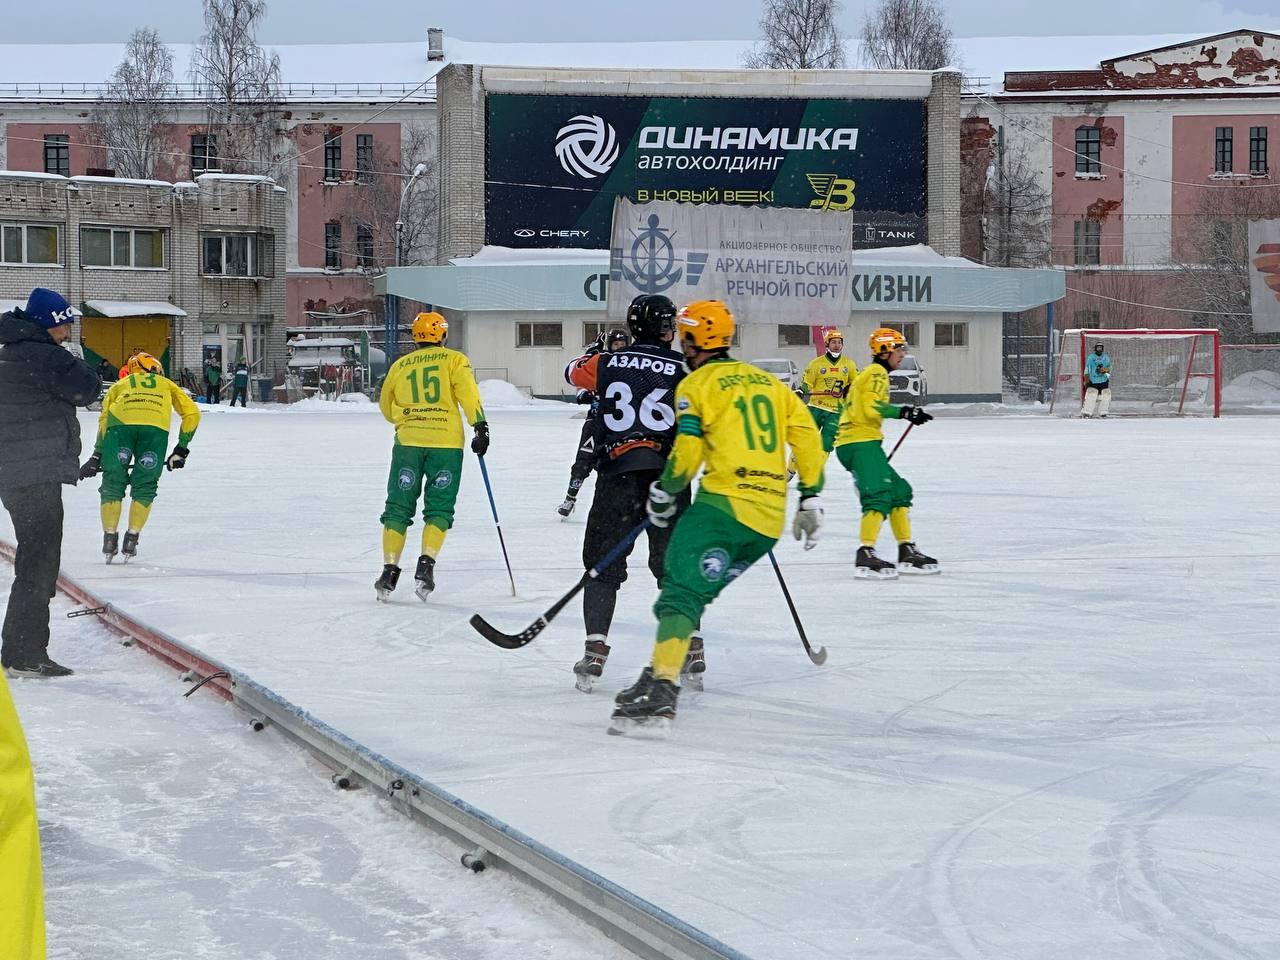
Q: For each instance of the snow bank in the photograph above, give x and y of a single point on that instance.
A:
(1034, 409)
(1257, 386)
(349, 403)
(498, 395)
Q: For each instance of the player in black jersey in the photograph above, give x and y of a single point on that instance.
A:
(635, 428)
(585, 461)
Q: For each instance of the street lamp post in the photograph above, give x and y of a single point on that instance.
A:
(391, 309)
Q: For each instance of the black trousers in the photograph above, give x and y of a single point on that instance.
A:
(36, 513)
(241, 394)
(210, 392)
(585, 459)
(617, 507)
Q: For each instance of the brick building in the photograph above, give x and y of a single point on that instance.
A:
(183, 271)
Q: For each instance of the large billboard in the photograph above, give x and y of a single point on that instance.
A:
(555, 164)
(1264, 274)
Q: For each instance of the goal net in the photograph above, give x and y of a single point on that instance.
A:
(1153, 372)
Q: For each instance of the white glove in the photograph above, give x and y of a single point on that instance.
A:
(661, 506)
(808, 521)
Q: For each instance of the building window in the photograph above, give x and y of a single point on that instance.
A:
(592, 331)
(57, 154)
(237, 255)
(910, 330)
(364, 246)
(794, 335)
(1088, 150)
(1088, 242)
(539, 335)
(28, 243)
(951, 334)
(333, 244)
(1222, 150)
(1258, 150)
(1086, 319)
(364, 157)
(117, 247)
(204, 153)
(333, 156)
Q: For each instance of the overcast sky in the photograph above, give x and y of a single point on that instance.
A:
(303, 21)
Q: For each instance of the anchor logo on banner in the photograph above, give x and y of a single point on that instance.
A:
(651, 263)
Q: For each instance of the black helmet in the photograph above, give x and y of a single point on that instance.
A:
(650, 316)
(614, 335)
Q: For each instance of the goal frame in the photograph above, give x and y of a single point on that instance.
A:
(1211, 333)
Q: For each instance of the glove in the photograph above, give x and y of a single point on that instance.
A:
(178, 459)
(914, 415)
(480, 442)
(585, 396)
(808, 520)
(92, 467)
(661, 506)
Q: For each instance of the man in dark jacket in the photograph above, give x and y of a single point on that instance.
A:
(41, 384)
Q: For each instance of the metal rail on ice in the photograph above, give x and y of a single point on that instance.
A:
(636, 924)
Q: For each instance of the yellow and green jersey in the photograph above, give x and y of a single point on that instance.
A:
(422, 393)
(825, 381)
(148, 400)
(867, 407)
(739, 421)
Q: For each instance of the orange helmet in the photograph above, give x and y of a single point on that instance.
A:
(707, 324)
(430, 328)
(885, 341)
(144, 363)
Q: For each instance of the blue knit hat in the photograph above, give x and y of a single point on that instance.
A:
(49, 309)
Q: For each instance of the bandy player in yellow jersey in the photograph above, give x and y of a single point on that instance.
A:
(826, 383)
(133, 430)
(421, 395)
(738, 421)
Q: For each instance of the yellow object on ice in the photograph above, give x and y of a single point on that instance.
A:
(110, 511)
(825, 381)
(392, 545)
(900, 523)
(149, 400)
(432, 540)
(422, 393)
(21, 888)
(668, 657)
(869, 529)
(138, 513)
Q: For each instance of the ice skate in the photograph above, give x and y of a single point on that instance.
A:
(695, 665)
(566, 508)
(871, 567)
(645, 709)
(386, 583)
(424, 577)
(911, 560)
(129, 549)
(590, 668)
(110, 546)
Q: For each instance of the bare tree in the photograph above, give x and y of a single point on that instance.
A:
(1212, 259)
(129, 118)
(907, 35)
(375, 201)
(241, 82)
(1005, 206)
(798, 35)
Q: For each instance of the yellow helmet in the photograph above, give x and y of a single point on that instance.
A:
(886, 340)
(430, 328)
(831, 333)
(707, 324)
(144, 363)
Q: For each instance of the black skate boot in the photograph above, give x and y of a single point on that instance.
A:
(110, 545)
(645, 709)
(695, 664)
(387, 582)
(566, 508)
(590, 668)
(871, 567)
(424, 577)
(911, 560)
(129, 549)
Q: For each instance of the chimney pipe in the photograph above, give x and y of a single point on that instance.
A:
(435, 44)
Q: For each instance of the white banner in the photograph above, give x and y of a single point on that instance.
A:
(1264, 274)
(769, 264)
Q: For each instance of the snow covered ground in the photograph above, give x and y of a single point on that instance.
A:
(1065, 746)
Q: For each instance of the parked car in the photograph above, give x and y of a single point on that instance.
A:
(908, 383)
(784, 370)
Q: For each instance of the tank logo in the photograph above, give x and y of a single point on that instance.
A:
(406, 478)
(443, 479)
(149, 460)
(124, 455)
(713, 564)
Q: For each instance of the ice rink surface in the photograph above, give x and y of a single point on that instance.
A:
(1064, 746)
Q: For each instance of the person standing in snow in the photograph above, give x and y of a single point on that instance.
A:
(41, 384)
(1097, 387)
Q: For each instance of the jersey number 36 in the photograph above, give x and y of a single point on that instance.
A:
(654, 414)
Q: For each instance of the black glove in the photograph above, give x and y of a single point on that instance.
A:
(914, 415)
(585, 396)
(178, 459)
(92, 467)
(480, 442)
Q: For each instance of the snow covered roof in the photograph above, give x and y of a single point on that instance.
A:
(327, 343)
(134, 308)
(494, 255)
(914, 255)
(124, 180)
(390, 71)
